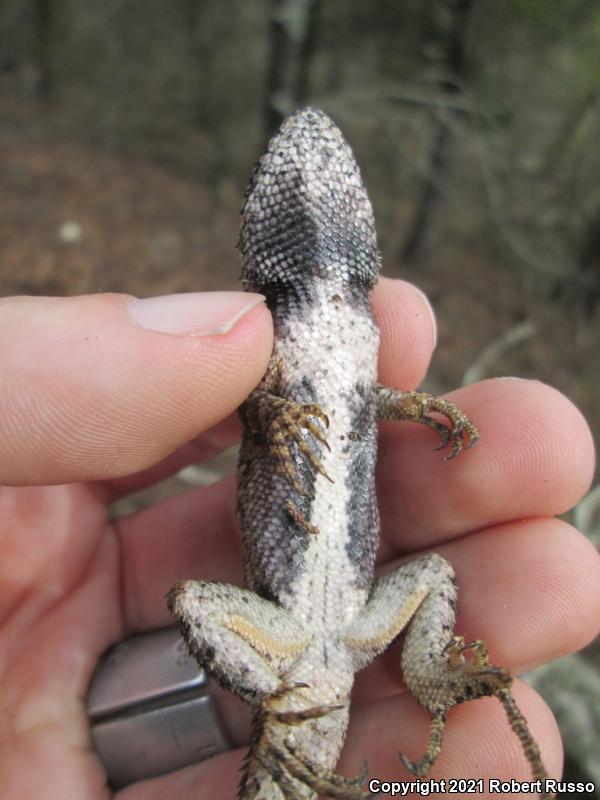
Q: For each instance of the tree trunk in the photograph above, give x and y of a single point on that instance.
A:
(588, 269)
(421, 231)
(43, 45)
(292, 38)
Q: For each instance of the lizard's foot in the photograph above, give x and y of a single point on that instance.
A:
(417, 407)
(298, 517)
(456, 649)
(456, 679)
(519, 725)
(421, 767)
(285, 429)
(286, 765)
(465, 675)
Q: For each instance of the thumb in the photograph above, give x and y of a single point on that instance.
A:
(106, 385)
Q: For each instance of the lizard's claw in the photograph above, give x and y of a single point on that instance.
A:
(288, 767)
(286, 429)
(471, 677)
(330, 784)
(283, 690)
(462, 431)
(432, 751)
(299, 518)
(459, 432)
(462, 673)
(296, 717)
(456, 649)
(271, 710)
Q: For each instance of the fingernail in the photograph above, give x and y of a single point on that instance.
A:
(196, 313)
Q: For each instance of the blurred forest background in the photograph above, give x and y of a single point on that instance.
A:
(128, 130)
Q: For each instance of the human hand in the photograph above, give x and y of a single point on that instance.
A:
(90, 402)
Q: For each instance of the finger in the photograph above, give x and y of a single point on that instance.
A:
(217, 777)
(500, 573)
(542, 559)
(209, 444)
(529, 589)
(535, 457)
(106, 385)
(478, 744)
(478, 741)
(408, 332)
(190, 535)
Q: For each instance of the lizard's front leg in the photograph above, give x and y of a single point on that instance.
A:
(439, 669)
(294, 436)
(284, 424)
(394, 404)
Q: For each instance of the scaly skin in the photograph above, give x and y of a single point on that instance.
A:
(312, 615)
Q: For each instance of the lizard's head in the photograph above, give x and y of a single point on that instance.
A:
(307, 215)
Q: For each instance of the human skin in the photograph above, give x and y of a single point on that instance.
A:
(95, 405)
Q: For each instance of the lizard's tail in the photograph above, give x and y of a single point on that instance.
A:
(292, 756)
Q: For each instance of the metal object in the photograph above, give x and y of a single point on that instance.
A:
(150, 709)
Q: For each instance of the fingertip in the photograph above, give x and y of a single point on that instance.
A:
(408, 332)
(535, 457)
(503, 571)
(478, 742)
(89, 394)
(534, 441)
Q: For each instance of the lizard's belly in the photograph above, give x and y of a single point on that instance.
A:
(328, 357)
(338, 560)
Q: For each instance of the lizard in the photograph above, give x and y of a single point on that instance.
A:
(313, 613)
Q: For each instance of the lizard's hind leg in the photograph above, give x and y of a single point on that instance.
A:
(249, 645)
(244, 641)
(439, 669)
(276, 749)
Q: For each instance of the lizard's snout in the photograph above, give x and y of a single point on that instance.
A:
(307, 215)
